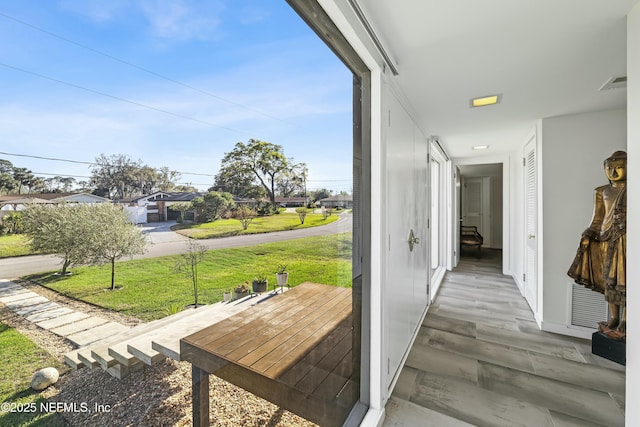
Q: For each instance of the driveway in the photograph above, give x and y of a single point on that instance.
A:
(160, 233)
(164, 242)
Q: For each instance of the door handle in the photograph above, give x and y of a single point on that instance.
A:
(413, 240)
(532, 236)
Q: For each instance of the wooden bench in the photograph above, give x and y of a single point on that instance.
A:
(469, 236)
(294, 350)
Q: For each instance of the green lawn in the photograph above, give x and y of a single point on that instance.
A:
(21, 358)
(267, 224)
(152, 286)
(14, 245)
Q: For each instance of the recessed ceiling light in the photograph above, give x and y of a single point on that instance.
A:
(485, 100)
(480, 147)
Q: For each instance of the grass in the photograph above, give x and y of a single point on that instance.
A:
(151, 287)
(21, 358)
(267, 224)
(14, 245)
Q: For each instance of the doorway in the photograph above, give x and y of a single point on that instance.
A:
(481, 201)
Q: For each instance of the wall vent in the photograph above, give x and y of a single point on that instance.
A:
(587, 307)
(615, 83)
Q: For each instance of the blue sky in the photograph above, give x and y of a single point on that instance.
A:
(72, 86)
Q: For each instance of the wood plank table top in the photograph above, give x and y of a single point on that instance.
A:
(293, 349)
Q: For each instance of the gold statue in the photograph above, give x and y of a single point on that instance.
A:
(600, 263)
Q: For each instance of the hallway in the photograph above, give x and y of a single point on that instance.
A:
(481, 360)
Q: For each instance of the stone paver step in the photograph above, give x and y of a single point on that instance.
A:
(48, 314)
(62, 320)
(17, 296)
(32, 309)
(25, 302)
(11, 290)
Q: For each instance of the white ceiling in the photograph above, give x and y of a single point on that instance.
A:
(546, 58)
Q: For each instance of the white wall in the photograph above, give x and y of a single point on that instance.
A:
(573, 149)
(633, 213)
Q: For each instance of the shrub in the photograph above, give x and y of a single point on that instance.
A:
(302, 214)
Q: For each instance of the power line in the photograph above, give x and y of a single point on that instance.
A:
(138, 67)
(117, 98)
(30, 156)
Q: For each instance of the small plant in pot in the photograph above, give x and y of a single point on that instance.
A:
(241, 291)
(282, 275)
(260, 283)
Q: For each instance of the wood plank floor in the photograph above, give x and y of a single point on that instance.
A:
(481, 360)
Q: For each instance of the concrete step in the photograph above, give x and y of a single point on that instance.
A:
(114, 350)
(72, 360)
(98, 333)
(140, 344)
(168, 343)
(97, 354)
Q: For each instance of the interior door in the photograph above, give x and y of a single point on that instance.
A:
(398, 292)
(472, 203)
(531, 225)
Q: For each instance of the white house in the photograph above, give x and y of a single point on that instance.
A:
(566, 76)
(18, 201)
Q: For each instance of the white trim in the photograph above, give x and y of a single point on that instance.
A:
(572, 331)
(506, 201)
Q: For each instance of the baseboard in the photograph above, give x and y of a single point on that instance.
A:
(572, 331)
(518, 283)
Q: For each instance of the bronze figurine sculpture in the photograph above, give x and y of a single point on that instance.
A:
(600, 262)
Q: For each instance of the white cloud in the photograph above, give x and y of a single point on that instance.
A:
(183, 20)
(176, 20)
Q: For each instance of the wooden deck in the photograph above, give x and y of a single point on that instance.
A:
(294, 350)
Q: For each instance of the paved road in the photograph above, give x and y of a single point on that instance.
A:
(165, 242)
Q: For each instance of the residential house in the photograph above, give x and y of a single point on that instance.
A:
(156, 207)
(566, 77)
(17, 202)
(292, 202)
(342, 201)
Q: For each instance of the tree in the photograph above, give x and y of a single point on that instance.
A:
(188, 265)
(181, 207)
(292, 181)
(114, 176)
(210, 207)
(118, 176)
(112, 237)
(57, 229)
(302, 214)
(11, 223)
(83, 233)
(7, 182)
(264, 160)
(235, 179)
(245, 215)
(320, 194)
(24, 177)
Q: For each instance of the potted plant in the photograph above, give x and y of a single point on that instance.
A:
(260, 283)
(226, 295)
(241, 291)
(282, 275)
